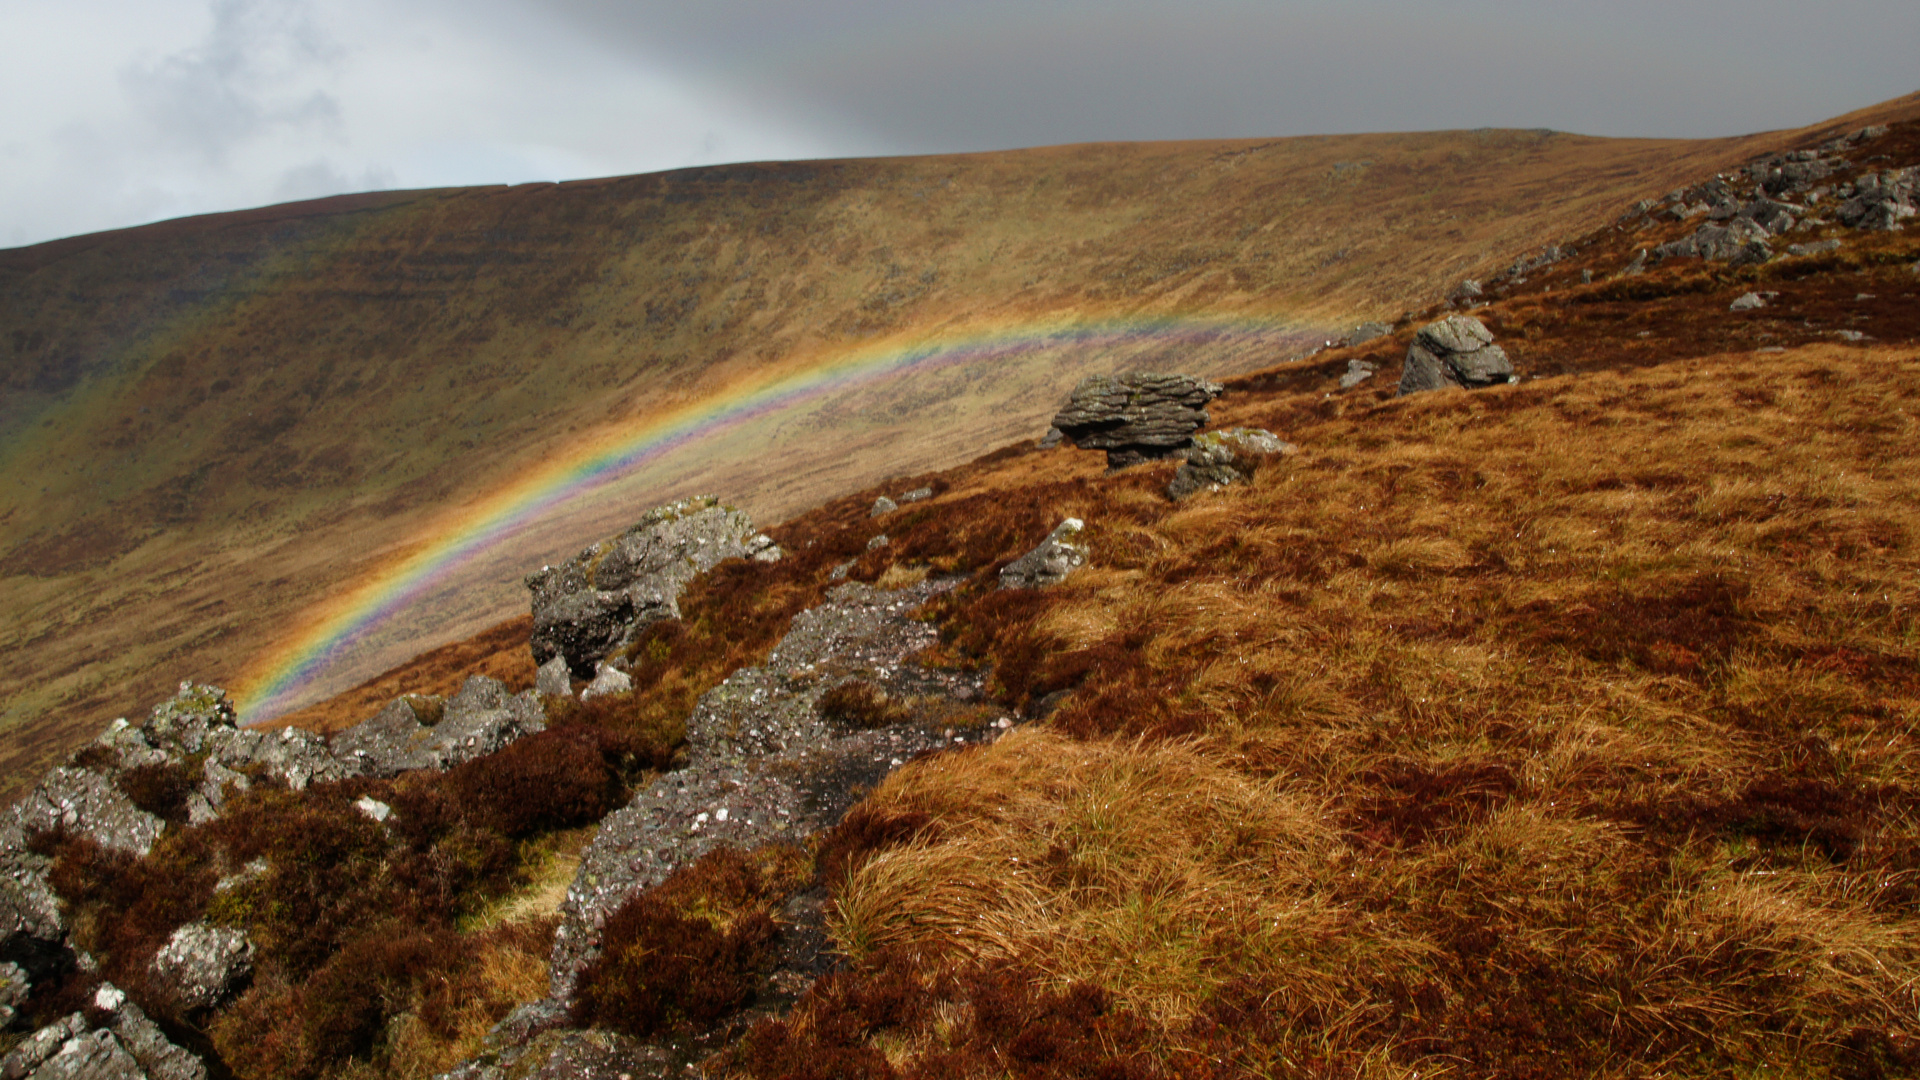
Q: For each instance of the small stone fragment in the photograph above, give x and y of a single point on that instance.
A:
(1748, 302)
(917, 494)
(554, 679)
(1358, 371)
(608, 680)
(1049, 564)
(373, 808)
(1818, 247)
(883, 505)
(201, 965)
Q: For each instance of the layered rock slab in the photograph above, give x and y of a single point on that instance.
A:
(1137, 416)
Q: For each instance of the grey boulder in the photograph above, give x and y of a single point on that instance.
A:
(1456, 351)
(1740, 242)
(202, 965)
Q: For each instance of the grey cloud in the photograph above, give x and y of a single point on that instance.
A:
(318, 179)
(922, 77)
(252, 74)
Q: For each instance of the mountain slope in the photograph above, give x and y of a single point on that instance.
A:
(213, 424)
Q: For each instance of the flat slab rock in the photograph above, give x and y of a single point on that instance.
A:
(1136, 416)
(763, 764)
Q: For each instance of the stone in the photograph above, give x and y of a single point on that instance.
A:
(1771, 215)
(1818, 247)
(1051, 439)
(1638, 265)
(1058, 556)
(883, 505)
(159, 1058)
(608, 680)
(553, 679)
(762, 549)
(1135, 417)
(125, 1046)
(1456, 351)
(1466, 292)
(916, 495)
(1365, 332)
(603, 597)
(1740, 242)
(1358, 371)
(1881, 201)
(1752, 301)
(481, 719)
(86, 803)
(202, 966)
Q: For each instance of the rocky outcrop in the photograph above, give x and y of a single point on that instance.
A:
(202, 966)
(113, 1041)
(1211, 460)
(1059, 555)
(1881, 201)
(763, 763)
(422, 733)
(602, 598)
(1456, 351)
(1740, 242)
(1135, 417)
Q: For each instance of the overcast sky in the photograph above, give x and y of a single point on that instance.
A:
(117, 112)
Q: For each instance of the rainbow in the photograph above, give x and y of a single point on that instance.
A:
(280, 680)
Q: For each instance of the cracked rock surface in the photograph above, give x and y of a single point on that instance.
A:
(763, 764)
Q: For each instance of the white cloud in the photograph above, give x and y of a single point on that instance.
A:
(137, 110)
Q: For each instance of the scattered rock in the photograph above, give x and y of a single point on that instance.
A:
(554, 679)
(480, 719)
(125, 1046)
(201, 966)
(1358, 371)
(916, 495)
(1818, 247)
(1740, 242)
(1365, 332)
(1586, 277)
(572, 1055)
(883, 505)
(878, 542)
(1051, 439)
(1637, 266)
(1456, 351)
(608, 680)
(1851, 337)
(602, 598)
(1050, 563)
(1466, 292)
(86, 803)
(1209, 463)
(1748, 302)
(1135, 417)
(1881, 201)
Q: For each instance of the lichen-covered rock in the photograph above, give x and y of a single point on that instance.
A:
(883, 505)
(1456, 351)
(482, 718)
(1135, 417)
(603, 597)
(1059, 555)
(1882, 201)
(86, 803)
(1818, 247)
(202, 965)
(1210, 461)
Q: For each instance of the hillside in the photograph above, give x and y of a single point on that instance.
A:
(1560, 727)
(216, 429)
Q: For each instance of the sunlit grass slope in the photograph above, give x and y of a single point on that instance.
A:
(212, 424)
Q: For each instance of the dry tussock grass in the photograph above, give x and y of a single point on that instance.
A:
(1564, 727)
